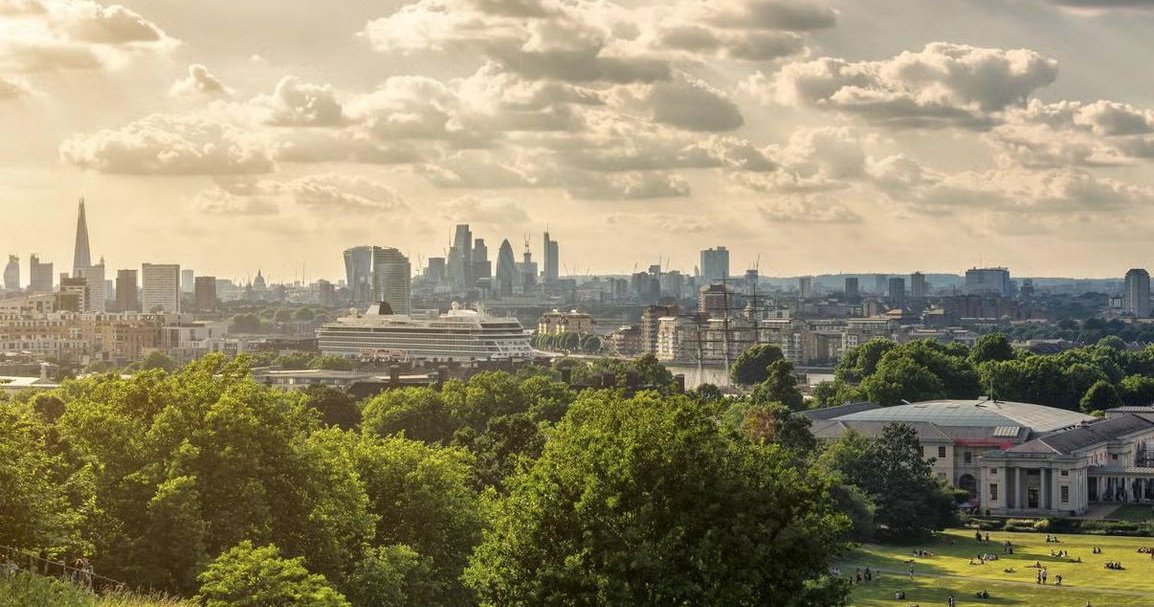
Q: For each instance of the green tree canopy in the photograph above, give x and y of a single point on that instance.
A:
(1100, 397)
(648, 501)
(892, 472)
(992, 346)
(752, 365)
(248, 576)
(780, 386)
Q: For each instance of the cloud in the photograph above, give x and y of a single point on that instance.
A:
(492, 211)
(1068, 133)
(312, 146)
(50, 35)
(11, 89)
(321, 195)
(200, 82)
(942, 85)
(168, 145)
(791, 15)
(114, 24)
(693, 106)
(807, 209)
(571, 42)
(633, 185)
(296, 103)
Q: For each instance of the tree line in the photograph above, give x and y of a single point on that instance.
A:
(1088, 379)
(502, 490)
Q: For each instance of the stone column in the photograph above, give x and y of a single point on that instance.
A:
(1043, 489)
(1017, 488)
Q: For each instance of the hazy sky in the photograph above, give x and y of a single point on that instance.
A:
(849, 135)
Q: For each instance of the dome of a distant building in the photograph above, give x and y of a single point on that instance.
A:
(975, 413)
(258, 282)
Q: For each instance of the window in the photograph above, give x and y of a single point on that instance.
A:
(1114, 457)
(1064, 492)
(941, 452)
(1064, 473)
(994, 471)
(993, 492)
(968, 458)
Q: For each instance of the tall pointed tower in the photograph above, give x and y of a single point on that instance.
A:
(83, 257)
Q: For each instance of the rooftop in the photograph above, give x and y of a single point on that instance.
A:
(976, 413)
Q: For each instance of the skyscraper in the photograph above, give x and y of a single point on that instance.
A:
(83, 256)
(482, 267)
(160, 291)
(528, 270)
(461, 259)
(12, 274)
(919, 288)
(392, 279)
(551, 259)
(506, 270)
(435, 272)
(805, 287)
(714, 264)
(40, 275)
(127, 291)
(880, 284)
(95, 302)
(1136, 298)
(359, 273)
(851, 286)
(897, 292)
(988, 281)
(187, 281)
(204, 293)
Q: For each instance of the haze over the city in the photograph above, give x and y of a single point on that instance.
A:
(850, 135)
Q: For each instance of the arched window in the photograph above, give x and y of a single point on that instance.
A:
(968, 483)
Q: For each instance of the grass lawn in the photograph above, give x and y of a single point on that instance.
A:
(1133, 514)
(949, 571)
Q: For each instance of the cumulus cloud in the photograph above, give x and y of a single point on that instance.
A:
(492, 211)
(48, 35)
(809, 208)
(320, 195)
(694, 106)
(572, 42)
(1066, 133)
(792, 15)
(296, 103)
(200, 81)
(167, 145)
(632, 185)
(312, 146)
(944, 84)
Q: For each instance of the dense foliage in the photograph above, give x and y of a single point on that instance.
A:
(502, 490)
(1089, 378)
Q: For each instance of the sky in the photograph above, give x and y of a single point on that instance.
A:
(808, 137)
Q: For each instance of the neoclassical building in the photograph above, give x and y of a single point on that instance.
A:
(1018, 458)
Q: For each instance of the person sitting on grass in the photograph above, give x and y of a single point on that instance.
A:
(982, 595)
(1008, 570)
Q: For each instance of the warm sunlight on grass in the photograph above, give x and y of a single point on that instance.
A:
(1010, 580)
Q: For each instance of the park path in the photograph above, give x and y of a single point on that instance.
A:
(1064, 587)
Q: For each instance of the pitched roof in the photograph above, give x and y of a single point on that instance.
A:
(838, 411)
(1083, 437)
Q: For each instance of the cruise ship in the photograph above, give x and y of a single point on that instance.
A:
(457, 336)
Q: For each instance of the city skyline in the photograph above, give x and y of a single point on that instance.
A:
(849, 135)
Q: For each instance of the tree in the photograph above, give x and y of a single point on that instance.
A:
(892, 472)
(1137, 391)
(834, 394)
(421, 413)
(650, 371)
(899, 379)
(777, 424)
(391, 576)
(34, 509)
(1112, 342)
(294, 360)
(780, 386)
(329, 362)
(647, 502)
(992, 346)
(420, 496)
(158, 360)
(336, 407)
(751, 366)
(859, 362)
(1100, 397)
(245, 323)
(248, 576)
